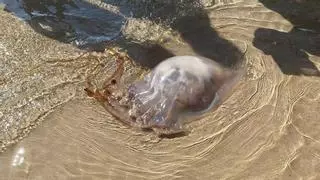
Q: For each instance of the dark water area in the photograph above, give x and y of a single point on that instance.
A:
(77, 22)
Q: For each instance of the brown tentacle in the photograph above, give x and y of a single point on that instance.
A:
(106, 98)
(105, 102)
(117, 113)
(116, 76)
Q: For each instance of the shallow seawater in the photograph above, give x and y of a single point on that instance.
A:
(267, 129)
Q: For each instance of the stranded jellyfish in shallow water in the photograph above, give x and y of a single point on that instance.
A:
(177, 89)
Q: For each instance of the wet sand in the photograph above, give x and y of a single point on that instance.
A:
(268, 129)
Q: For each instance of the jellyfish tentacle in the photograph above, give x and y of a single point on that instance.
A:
(114, 79)
(119, 114)
(168, 124)
(114, 110)
(173, 114)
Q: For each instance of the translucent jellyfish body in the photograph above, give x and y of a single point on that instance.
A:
(177, 89)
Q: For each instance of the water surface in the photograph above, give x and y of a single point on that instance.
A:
(267, 129)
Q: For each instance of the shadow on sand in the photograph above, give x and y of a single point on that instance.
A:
(289, 50)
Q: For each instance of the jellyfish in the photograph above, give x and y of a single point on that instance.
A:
(178, 90)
